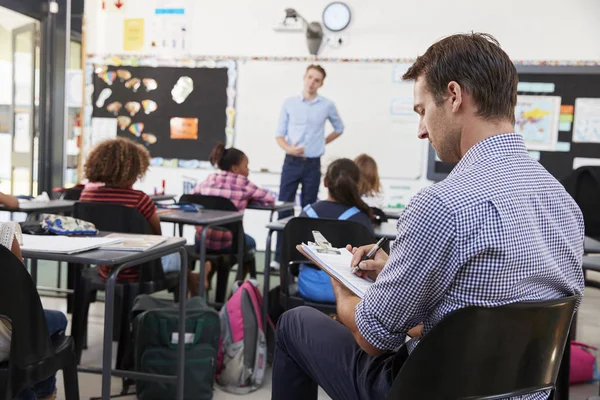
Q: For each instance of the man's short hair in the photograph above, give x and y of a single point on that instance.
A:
(477, 63)
(318, 68)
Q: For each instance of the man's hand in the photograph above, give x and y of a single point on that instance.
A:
(341, 292)
(296, 151)
(368, 268)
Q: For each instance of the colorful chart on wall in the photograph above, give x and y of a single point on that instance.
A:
(586, 128)
(178, 113)
(537, 119)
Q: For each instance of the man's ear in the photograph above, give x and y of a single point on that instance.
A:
(455, 93)
(325, 182)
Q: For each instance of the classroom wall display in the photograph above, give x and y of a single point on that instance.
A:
(179, 109)
(558, 94)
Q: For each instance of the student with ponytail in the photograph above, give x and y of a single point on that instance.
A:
(232, 183)
(343, 203)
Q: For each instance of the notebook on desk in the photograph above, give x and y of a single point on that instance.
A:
(337, 265)
(64, 244)
(131, 242)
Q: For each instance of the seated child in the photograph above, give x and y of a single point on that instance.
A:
(232, 183)
(343, 203)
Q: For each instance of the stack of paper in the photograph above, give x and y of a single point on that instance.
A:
(338, 267)
(64, 244)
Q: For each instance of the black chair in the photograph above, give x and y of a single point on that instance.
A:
(221, 261)
(584, 186)
(34, 356)
(122, 219)
(298, 230)
(73, 193)
(488, 353)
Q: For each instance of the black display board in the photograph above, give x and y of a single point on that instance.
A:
(570, 83)
(206, 103)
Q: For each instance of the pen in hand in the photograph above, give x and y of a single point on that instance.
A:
(370, 254)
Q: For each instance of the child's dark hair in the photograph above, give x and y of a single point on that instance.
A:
(225, 159)
(117, 162)
(342, 179)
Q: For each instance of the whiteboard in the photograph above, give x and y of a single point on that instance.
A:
(364, 94)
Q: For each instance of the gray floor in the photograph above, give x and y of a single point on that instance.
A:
(588, 332)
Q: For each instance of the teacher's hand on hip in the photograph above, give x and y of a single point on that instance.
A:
(297, 151)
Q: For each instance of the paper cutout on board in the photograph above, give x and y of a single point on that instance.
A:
(102, 97)
(563, 146)
(537, 119)
(536, 87)
(133, 107)
(114, 107)
(103, 129)
(566, 109)
(137, 128)
(108, 77)
(149, 106)
(564, 127)
(150, 84)
(182, 89)
(184, 128)
(123, 122)
(149, 138)
(586, 125)
(123, 75)
(133, 84)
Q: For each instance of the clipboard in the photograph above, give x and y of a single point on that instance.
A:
(355, 284)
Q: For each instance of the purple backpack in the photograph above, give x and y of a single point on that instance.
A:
(242, 356)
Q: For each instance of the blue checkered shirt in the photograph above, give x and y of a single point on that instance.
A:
(499, 229)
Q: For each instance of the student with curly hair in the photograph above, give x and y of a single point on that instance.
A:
(369, 186)
(112, 168)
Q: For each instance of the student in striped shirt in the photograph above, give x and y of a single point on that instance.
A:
(112, 168)
(232, 183)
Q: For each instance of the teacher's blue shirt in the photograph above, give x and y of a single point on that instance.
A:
(302, 123)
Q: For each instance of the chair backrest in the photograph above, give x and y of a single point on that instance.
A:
(488, 353)
(584, 185)
(209, 202)
(73, 193)
(338, 233)
(122, 219)
(216, 203)
(20, 304)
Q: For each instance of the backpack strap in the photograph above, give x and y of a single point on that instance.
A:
(349, 213)
(310, 212)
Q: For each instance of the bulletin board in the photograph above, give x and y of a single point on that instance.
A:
(578, 138)
(178, 110)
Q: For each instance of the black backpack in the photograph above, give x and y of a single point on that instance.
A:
(155, 327)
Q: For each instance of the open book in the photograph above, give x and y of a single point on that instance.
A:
(131, 242)
(64, 244)
(337, 266)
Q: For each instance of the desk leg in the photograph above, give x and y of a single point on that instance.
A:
(108, 333)
(240, 256)
(267, 282)
(181, 343)
(34, 271)
(202, 260)
(271, 217)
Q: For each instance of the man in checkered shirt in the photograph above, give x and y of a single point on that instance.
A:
(499, 229)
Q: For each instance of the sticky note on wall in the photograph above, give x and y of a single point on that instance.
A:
(564, 126)
(566, 118)
(566, 109)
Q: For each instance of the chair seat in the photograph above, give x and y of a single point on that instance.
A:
(31, 374)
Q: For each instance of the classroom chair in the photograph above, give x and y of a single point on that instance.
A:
(122, 219)
(299, 230)
(33, 355)
(222, 262)
(488, 353)
(583, 185)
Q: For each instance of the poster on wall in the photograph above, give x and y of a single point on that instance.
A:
(178, 113)
(586, 126)
(537, 119)
(170, 26)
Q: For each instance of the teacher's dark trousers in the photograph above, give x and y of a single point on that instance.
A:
(296, 171)
(314, 350)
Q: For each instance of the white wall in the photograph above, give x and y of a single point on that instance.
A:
(527, 30)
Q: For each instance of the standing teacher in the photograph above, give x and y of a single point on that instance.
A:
(301, 134)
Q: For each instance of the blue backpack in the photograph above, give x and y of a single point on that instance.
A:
(314, 284)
